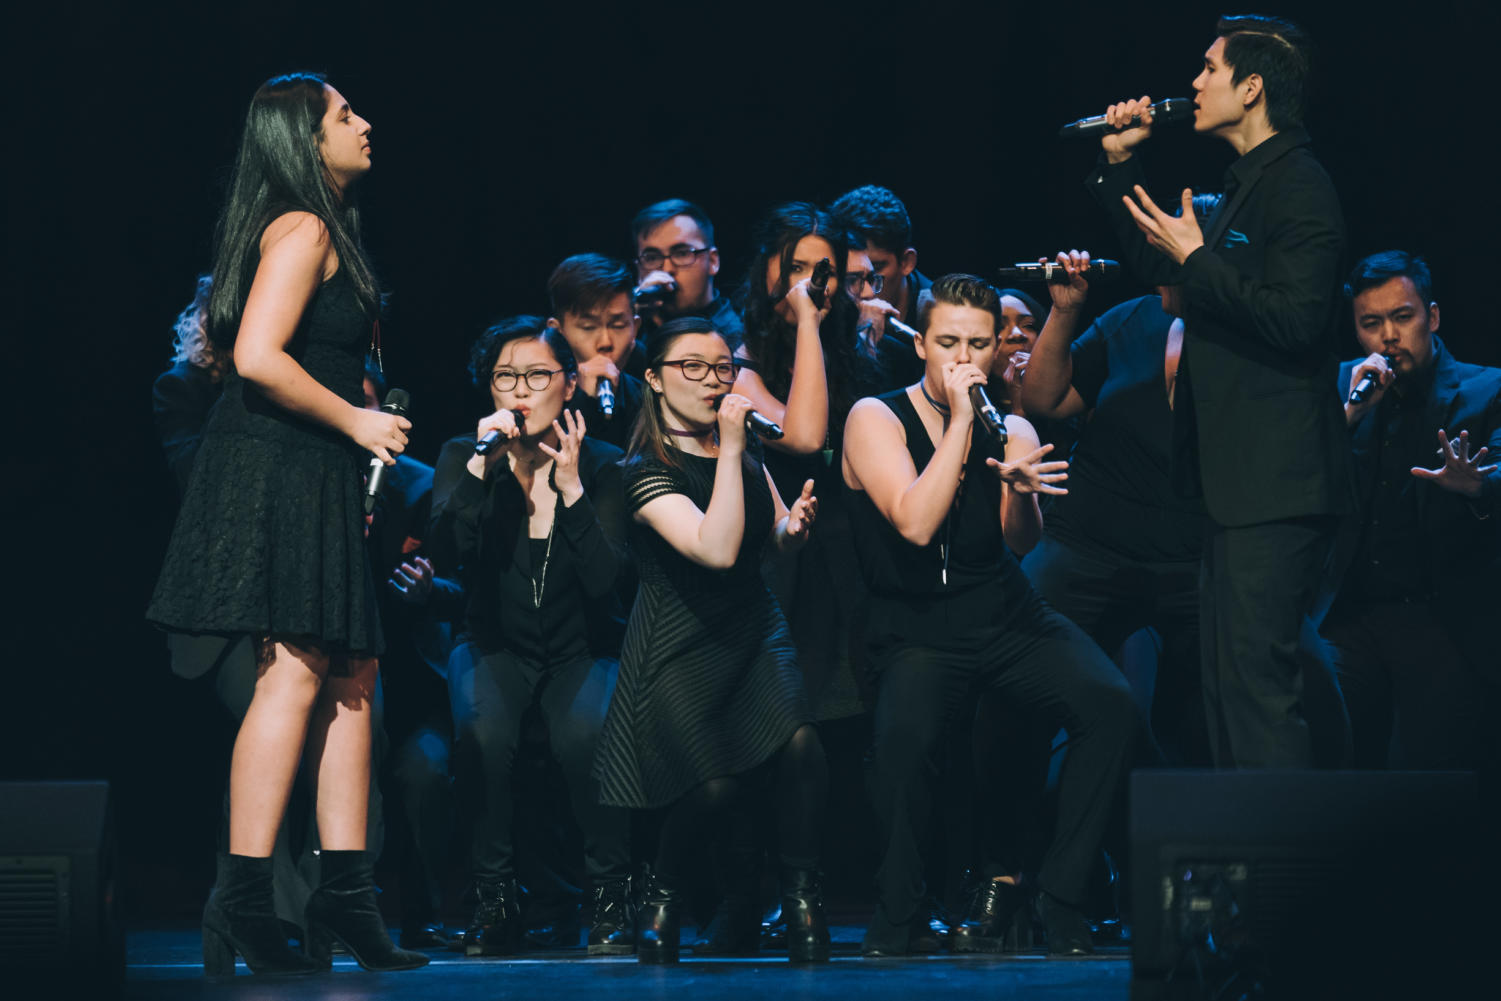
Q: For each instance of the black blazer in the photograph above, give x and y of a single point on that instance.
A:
(1463, 536)
(1257, 425)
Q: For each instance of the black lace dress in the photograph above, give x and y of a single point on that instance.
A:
(270, 537)
(709, 685)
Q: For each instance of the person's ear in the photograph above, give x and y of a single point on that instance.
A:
(1251, 90)
(713, 261)
(908, 261)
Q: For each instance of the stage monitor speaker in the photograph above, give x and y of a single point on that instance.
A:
(1291, 883)
(59, 913)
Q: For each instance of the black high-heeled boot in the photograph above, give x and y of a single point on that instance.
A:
(802, 906)
(239, 918)
(343, 909)
(658, 922)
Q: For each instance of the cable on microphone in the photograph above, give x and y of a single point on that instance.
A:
(1053, 272)
(990, 417)
(397, 402)
(494, 437)
(1174, 109)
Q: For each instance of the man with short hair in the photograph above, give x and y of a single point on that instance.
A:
(676, 261)
(1257, 426)
(881, 234)
(1420, 563)
(590, 296)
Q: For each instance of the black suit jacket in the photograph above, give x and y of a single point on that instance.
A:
(1463, 536)
(1258, 427)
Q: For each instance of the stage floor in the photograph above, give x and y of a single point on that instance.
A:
(165, 965)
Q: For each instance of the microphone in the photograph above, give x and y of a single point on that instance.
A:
(989, 416)
(1365, 385)
(817, 285)
(758, 425)
(653, 297)
(1052, 271)
(397, 402)
(605, 397)
(1174, 109)
(494, 437)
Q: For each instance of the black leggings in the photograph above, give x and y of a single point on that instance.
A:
(799, 776)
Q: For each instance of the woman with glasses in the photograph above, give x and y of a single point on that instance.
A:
(269, 542)
(535, 527)
(710, 697)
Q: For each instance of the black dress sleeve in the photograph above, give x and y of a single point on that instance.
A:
(454, 534)
(646, 479)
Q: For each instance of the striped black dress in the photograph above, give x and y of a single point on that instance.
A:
(709, 685)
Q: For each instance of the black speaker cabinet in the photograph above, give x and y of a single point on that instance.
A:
(1300, 881)
(59, 914)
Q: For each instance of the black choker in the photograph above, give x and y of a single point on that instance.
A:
(683, 434)
(923, 385)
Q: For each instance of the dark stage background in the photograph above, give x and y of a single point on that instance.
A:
(504, 141)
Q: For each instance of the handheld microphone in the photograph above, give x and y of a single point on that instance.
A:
(494, 437)
(1365, 385)
(397, 402)
(818, 285)
(989, 416)
(758, 425)
(653, 297)
(1052, 271)
(605, 397)
(1174, 109)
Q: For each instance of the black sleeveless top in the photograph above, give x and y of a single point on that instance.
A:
(965, 580)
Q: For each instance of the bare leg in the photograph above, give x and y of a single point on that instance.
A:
(339, 745)
(269, 744)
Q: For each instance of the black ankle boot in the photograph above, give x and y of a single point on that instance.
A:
(495, 928)
(802, 906)
(343, 910)
(990, 908)
(658, 922)
(239, 918)
(612, 926)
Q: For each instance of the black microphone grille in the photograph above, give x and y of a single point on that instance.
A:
(398, 399)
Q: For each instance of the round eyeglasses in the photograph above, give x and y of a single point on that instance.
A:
(697, 371)
(854, 280)
(538, 379)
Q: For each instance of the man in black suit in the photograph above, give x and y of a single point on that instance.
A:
(1421, 563)
(1257, 425)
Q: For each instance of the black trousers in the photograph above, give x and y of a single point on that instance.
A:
(491, 692)
(228, 666)
(1111, 598)
(1259, 647)
(1414, 695)
(1037, 660)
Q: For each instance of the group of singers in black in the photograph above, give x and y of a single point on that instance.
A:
(1193, 543)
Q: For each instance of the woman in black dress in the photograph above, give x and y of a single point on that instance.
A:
(709, 690)
(536, 529)
(270, 538)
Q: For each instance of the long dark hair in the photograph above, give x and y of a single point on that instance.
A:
(770, 340)
(649, 435)
(279, 170)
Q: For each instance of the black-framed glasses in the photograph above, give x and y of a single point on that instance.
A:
(855, 279)
(537, 379)
(697, 371)
(682, 255)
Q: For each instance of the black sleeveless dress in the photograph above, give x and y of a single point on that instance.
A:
(270, 539)
(709, 685)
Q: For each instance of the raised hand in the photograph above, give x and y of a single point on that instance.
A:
(1175, 236)
(565, 458)
(1029, 475)
(1461, 472)
(503, 421)
(1069, 296)
(732, 411)
(802, 514)
(957, 378)
(1382, 377)
(413, 580)
(801, 301)
(597, 368)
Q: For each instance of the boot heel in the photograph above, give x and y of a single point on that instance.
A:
(218, 955)
(318, 948)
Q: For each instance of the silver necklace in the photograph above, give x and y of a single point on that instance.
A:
(540, 583)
